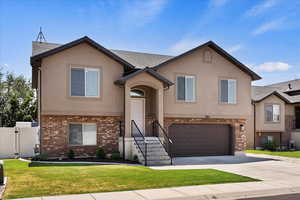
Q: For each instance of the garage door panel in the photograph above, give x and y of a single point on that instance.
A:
(200, 139)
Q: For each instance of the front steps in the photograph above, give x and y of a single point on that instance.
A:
(156, 154)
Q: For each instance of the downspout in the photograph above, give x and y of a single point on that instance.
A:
(254, 113)
(124, 124)
(40, 105)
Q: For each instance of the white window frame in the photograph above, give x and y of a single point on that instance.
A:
(82, 124)
(274, 120)
(220, 91)
(86, 69)
(194, 88)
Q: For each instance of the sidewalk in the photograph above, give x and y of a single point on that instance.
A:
(219, 191)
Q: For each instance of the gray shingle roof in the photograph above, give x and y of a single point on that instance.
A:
(284, 86)
(141, 60)
(261, 92)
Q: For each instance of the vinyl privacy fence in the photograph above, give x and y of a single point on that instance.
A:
(18, 141)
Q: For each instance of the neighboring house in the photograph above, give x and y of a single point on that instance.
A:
(277, 109)
(201, 98)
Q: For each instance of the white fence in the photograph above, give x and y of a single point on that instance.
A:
(21, 142)
(296, 137)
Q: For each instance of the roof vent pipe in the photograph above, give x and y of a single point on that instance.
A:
(290, 86)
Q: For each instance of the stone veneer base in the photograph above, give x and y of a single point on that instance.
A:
(55, 128)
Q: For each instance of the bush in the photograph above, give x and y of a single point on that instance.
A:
(71, 154)
(115, 156)
(42, 156)
(100, 154)
(135, 158)
(270, 145)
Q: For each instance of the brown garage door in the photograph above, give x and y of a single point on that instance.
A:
(201, 139)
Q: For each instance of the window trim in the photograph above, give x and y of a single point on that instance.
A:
(265, 115)
(220, 90)
(81, 145)
(85, 68)
(195, 88)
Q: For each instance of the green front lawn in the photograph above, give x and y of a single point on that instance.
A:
(291, 154)
(28, 180)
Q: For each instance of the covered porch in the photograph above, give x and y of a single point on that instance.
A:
(143, 109)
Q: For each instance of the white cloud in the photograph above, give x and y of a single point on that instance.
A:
(272, 66)
(142, 12)
(234, 48)
(261, 7)
(271, 25)
(185, 45)
(217, 3)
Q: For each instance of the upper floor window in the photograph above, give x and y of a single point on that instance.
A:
(85, 82)
(272, 112)
(82, 134)
(185, 88)
(228, 91)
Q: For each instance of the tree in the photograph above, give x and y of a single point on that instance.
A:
(17, 100)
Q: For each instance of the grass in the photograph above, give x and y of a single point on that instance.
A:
(29, 180)
(291, 154)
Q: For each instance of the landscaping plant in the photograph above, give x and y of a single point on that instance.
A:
(100, 154)
(71, 154)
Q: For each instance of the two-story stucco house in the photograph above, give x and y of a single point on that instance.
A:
(277, 113)
(198, 103)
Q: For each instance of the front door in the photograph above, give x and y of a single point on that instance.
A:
(138, 112)
(297, 114)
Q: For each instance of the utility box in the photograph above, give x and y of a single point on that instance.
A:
(1, 173)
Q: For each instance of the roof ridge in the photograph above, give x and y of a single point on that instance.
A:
(141, 52)
(297, 79)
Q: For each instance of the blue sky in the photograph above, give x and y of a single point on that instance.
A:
(263, 34)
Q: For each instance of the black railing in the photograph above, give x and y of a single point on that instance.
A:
(139, 140)
(163, 137)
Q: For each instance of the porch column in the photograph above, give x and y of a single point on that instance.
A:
(160, 106)
(127, 111)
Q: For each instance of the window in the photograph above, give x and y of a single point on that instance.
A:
(272, 112)
(228, 91)
(137, 93)
(85, 82)
(267, 139)
(186, 88)
(82, 134)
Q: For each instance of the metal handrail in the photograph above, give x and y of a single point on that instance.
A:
(167, 146)
(144, 153)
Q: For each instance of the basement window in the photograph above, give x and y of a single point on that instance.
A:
(82, 134)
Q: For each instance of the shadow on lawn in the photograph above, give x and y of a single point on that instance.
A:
(60, 164)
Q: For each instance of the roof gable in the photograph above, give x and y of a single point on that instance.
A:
(35, 60)
(220, 51)
(148, 70)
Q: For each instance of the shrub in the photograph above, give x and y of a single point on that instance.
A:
(100, 154)
(42, 156)
(135, 158)
(71, 154)
(115, 156)
(270, 145)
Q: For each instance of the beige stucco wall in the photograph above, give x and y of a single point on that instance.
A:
(207, 90)
(55, 86)
(290, 109)
(261, 124)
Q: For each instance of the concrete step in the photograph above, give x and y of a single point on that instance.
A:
(157, 162)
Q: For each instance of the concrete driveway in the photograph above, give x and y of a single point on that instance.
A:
(264, 167)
